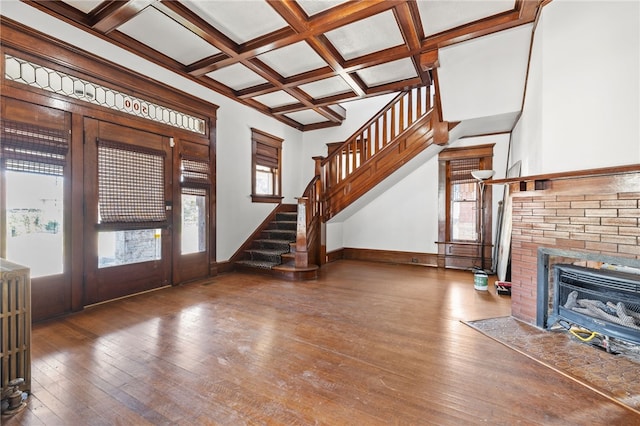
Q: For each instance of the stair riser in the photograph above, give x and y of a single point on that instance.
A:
(252, 255)
(291, 226)
(271, 245)
(279, 234)
(288, 217)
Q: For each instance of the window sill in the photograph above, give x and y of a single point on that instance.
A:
(266, 198)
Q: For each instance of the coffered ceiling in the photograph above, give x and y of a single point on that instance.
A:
(295, 60)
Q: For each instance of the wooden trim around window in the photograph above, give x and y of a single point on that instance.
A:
(460, 254)
(268, 141)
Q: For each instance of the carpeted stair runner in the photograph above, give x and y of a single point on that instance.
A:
(266, 252)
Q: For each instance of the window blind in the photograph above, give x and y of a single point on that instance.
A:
(33, 149)
(460, 170)
(130, 186)
(194, 172)
(266, 155)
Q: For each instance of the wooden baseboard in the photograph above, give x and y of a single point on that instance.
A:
(389, 256)
(224, 267)
(332, 256)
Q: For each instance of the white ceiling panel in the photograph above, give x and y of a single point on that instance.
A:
(237, 76)
(313, 7)
(158, 31)
(84, 5)
(241, 21)
(366, 36)
(442, 15)
(293, 59)
(327, 87)
(401, 69)
(306, 117)
(276, 99)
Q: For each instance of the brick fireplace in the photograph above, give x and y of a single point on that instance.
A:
(595, 211)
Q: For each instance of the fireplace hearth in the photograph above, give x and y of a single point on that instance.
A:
(600, 300)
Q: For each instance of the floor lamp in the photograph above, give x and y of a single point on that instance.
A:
(481, 176)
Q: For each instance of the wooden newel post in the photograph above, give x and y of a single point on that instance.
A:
(302, 255)
(320, 187)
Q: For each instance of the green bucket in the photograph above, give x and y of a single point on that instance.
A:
(481, 281)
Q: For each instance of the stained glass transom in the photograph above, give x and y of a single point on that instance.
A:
(34, 75)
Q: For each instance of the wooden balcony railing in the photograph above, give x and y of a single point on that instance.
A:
(375, 135)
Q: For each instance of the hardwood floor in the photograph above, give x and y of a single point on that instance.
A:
(365, 344)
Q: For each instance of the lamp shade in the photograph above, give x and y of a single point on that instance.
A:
(482, 174)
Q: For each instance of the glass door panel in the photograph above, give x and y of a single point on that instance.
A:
(35, 222)
(194, 224)
(35, 194)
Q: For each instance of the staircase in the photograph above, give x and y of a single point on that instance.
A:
(272, 250)
(399, 132)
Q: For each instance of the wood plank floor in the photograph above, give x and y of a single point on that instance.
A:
(365, 344)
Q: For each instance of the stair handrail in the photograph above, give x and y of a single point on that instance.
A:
(372, 137)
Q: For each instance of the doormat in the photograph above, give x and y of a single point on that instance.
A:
(614, 376)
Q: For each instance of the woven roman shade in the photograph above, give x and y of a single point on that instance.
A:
(33, 149)
(195, 176)
(130, 186)
(266, 155)
(194, 172)
(460, 170)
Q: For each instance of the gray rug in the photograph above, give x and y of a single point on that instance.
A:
(614, 376)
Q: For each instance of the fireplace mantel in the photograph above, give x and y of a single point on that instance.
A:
(616, 179)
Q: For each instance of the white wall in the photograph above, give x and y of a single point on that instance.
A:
(405, 217)
(237, 216)
(484, 76)
(582, 103)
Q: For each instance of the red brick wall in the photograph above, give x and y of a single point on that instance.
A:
(574, 216)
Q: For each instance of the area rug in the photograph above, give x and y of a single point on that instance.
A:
(614, 376)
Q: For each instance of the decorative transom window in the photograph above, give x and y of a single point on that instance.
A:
(266, 167)
(34, 75)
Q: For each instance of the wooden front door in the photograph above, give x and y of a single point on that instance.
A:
(128, 220)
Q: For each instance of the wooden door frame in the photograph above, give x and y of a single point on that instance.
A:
(25, 43)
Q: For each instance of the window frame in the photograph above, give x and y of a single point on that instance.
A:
(260, 139)
(462, 253)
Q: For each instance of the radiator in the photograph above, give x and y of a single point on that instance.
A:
(15, 324)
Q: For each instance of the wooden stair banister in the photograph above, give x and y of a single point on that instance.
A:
(383, 128)
(402, 129)
(309, 216)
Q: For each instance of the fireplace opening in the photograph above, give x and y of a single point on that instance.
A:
(600, 300)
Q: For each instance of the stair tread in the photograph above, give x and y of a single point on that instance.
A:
(267, 251)
(287, 267)
(261, 264)
(273, 241)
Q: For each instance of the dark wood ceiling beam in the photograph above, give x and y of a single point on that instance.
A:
(115, 13)
(292, 13)
(408, 17)
(329, 100)
(528, 9)
(476, 29)
(325, 49)
(345, 70)
(324, 22)
(63, 9)
(185, 17)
